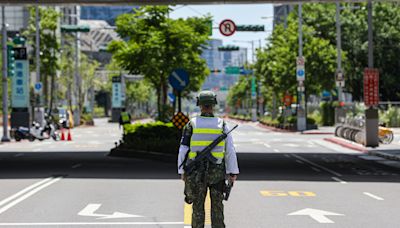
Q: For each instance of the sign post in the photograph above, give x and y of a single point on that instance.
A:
(116, 98)
(20, 89)
(371, 100)
(253, 98)
(301, 108)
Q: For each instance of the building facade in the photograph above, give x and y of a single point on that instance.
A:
(105, 13)
(281, 12)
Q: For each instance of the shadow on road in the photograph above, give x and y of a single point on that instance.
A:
(253, 166)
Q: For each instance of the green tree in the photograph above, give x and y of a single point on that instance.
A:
(154, 45)
(355, 41)
(276, 64)
(49, 47)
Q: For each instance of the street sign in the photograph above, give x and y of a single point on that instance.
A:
(38, 88)
(339, 78)
(20, 85)
(180, 120)
(179, 79)
(371, 86)
(116, 101)
(250, 28)
(20, 53)
(232, 70)
(227, 27)
(300, 70)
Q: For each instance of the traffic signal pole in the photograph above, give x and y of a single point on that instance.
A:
(5, 80)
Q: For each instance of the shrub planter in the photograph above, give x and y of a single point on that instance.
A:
(156, 140)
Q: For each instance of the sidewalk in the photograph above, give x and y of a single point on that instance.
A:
(390, 151)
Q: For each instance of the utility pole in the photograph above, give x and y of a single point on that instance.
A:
(301, 112)
(371, 113)
(39, 110)
(339, 77)
(5, 81)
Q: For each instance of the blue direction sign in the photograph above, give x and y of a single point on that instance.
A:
(179, 79)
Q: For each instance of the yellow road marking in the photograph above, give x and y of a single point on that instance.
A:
(188, 210)
(289, 193)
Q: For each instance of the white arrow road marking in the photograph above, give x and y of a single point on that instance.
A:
(317, 215)
(90, 210)
(176, 76)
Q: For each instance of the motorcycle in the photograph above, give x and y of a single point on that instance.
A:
(36, 132)
(21, 133)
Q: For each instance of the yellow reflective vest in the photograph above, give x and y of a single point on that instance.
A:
(205, 130)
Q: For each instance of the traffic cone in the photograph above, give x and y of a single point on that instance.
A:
(62, 134)
(69, 135)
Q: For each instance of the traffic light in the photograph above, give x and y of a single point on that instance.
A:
(250, 28)
(10, 61)
(75, 28)
(228, 48)
(215, 71)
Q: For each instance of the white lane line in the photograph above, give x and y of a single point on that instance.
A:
(23, 191)
(276, 150)
(315, 169)
(319, 166)
(300, 162)
(29, 193)
(87, 223)
(287, 155)
(373, 196)
(76, 166)
(267, 145)
(19, 155)
(36, 150)
(339, 180)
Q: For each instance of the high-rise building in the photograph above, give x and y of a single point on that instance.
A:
(105, 13)
(211, 54)
(281, 12)
(17, 18)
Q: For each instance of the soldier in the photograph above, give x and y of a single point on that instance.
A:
(124, 119)
(198, 134)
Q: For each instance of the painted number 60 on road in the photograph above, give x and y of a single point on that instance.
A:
(289, 193)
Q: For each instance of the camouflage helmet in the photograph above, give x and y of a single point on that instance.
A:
(206, 98)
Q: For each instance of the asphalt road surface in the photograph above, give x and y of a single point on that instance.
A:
(286, 180)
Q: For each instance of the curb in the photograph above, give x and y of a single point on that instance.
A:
(347, 144)
(126, 153)
(318, 133)
(385, 155)
(274, 128)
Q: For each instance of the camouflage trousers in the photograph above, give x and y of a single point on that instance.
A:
(206, 176)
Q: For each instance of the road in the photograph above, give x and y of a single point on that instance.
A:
(287, 180)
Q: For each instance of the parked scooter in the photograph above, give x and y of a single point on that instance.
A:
(36, 132)
(21, 133)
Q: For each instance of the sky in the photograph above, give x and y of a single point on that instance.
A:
(250, 14)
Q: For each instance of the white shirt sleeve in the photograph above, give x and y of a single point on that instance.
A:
(183, 150)
(231, 163)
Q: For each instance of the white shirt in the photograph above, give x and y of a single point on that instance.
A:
(231, 164)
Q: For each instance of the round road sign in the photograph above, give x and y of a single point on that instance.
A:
(227, 27)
